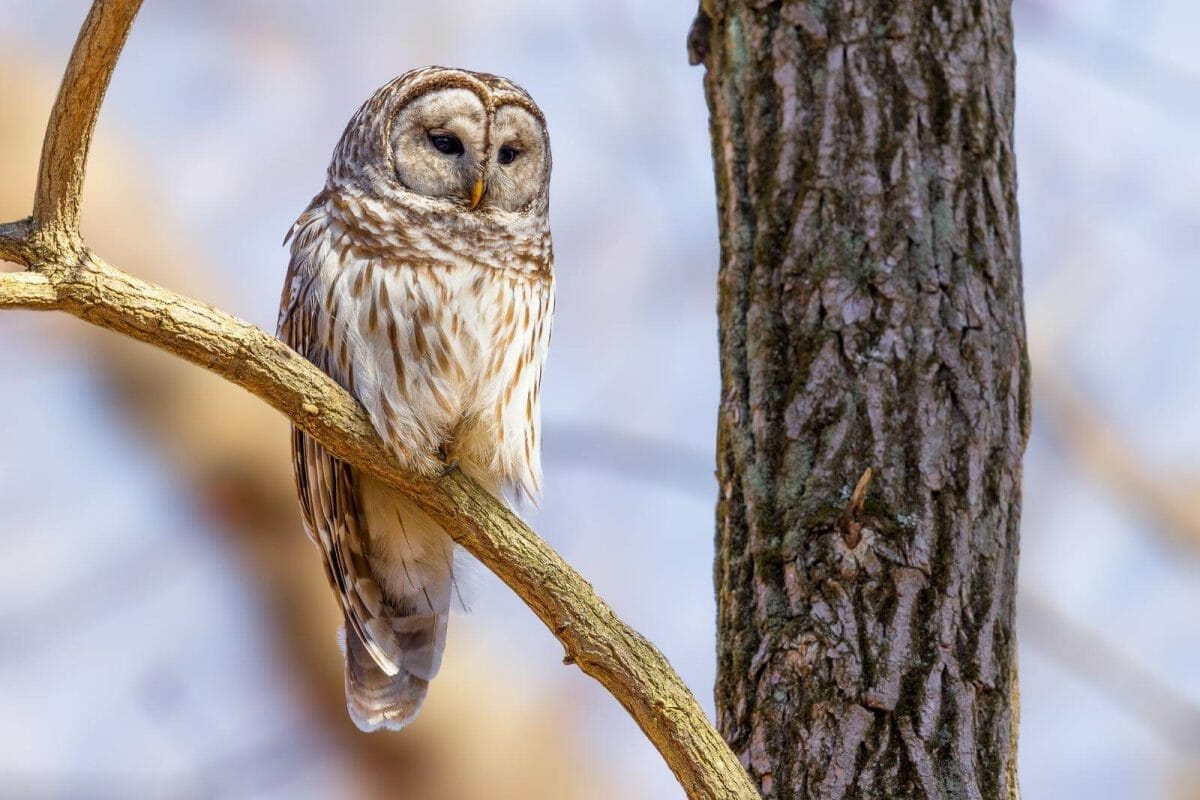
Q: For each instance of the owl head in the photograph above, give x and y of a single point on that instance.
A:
(461, 142)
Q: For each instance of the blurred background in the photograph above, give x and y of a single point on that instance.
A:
(164, 626)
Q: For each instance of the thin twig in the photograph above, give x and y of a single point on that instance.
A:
(851, 525)
(69, 131)
(75, 280)
(859, 495)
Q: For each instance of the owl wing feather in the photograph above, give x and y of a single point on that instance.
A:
(327, 493)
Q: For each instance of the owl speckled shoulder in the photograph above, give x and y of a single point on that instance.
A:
(421, 279)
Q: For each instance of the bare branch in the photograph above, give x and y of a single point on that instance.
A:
(69, 131)
(14, 241)
(69, 277)
(27, 290)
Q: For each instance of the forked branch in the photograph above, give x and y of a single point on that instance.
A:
(63, 274)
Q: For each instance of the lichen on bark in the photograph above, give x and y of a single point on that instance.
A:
(871, 317)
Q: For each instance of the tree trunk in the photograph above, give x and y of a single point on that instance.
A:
(871, 317)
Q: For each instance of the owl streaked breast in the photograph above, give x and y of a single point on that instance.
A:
(421, 279)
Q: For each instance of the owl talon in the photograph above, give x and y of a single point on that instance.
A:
(449, 463)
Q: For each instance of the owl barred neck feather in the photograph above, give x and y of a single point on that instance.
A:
(436, 315)
(423, 234)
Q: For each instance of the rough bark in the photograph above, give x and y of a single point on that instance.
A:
(871, 317)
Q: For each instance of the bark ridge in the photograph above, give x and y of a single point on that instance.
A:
(871, 317)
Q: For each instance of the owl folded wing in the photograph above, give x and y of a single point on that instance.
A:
(327, 497)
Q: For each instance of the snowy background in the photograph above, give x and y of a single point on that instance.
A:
(138, 656)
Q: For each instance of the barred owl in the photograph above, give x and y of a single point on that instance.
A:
(421, 280)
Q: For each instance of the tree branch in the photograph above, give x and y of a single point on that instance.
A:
(69, 131)
(67, 276)
(14, 238)
(27, 290)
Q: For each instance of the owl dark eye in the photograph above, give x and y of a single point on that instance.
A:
(446, 143)
(507, 155)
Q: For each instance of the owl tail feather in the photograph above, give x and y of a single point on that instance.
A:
(378, 701)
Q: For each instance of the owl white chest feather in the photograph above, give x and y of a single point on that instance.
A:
(444, 352)
(421, 279)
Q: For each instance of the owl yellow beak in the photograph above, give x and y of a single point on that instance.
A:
(476, 193)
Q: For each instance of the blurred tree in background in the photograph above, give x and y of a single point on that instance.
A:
(871, 319)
